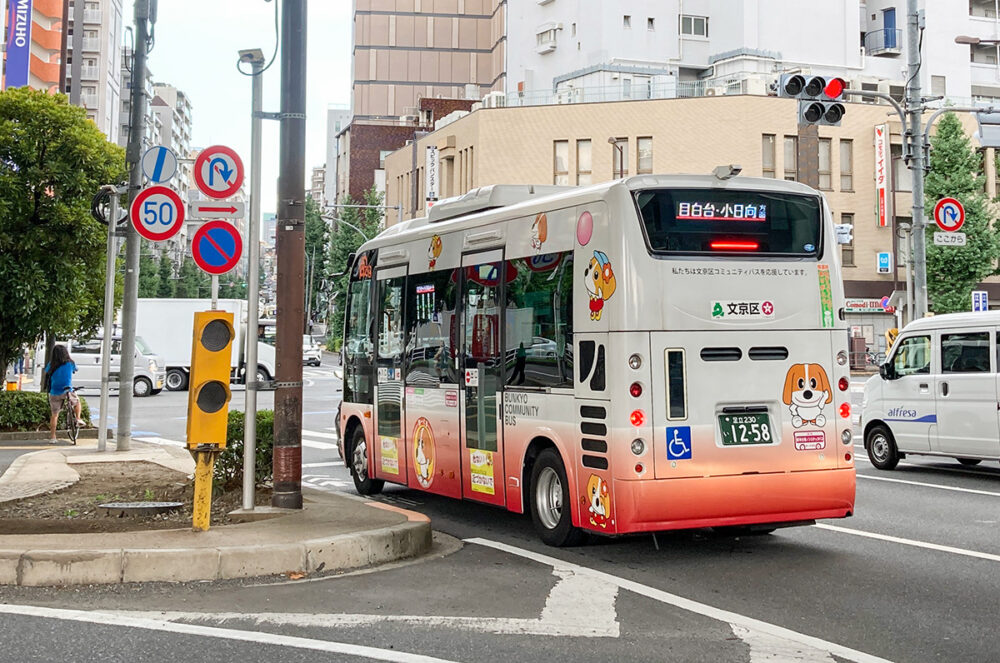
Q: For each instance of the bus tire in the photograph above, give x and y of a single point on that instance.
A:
(881, 447)
(364, 484)
(969, 462)
(550, 502)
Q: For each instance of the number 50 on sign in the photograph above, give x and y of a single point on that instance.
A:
(157, 213)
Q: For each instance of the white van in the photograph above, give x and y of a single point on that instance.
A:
(937, 392)
(149, 373)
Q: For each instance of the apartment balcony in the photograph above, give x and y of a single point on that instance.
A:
(92, 16)
(88, 101)
(884, 42)
(92, 44)
(89, 73)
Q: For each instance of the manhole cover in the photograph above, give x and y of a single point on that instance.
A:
(122, 509)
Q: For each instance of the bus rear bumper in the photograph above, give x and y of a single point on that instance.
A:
(667, 504)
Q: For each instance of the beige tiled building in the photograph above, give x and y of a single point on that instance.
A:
(569, 144)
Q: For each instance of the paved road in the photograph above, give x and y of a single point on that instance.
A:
(912, 577)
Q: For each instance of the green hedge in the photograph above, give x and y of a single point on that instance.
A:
(29, 411)
(229, 464)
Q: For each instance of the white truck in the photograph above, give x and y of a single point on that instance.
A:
(168, 326)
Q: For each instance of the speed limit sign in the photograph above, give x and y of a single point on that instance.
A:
(157, 213)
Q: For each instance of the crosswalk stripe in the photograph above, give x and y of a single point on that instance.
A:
(321, 435)
(313, 444)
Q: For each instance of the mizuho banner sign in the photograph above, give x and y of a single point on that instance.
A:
(18, 43)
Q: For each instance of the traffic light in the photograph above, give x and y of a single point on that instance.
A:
(820, 97)
(843, 231)
(208, 398)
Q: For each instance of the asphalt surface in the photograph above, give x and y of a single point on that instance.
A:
(911, 577)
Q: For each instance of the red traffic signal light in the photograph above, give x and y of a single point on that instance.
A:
(835, 88)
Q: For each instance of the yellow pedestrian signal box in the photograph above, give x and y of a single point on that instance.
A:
(208, 395)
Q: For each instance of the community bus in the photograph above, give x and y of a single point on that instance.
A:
(655, 353)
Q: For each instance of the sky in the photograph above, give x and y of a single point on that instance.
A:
(196, 49)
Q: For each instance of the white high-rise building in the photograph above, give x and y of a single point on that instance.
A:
(571, 51)
(94, 60)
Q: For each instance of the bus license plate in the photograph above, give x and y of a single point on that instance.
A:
(742, 429)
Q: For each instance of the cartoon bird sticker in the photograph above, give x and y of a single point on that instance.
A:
(600, 281)
(807, 391)
(539, 231)
(433, 251)
(600, 501)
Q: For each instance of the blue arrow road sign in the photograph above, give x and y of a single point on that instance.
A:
(159, 164)
(980, 300)
(220, 166)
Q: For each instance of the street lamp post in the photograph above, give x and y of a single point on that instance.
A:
(621, 156)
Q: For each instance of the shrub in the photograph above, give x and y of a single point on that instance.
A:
(229, 464)
(29, 410)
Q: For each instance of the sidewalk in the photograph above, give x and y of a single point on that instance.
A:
(331, 533)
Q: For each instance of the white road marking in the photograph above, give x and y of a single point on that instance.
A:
(162, 441)
(765, 648)
(313, 444)
(154, 624)
(319, 434)
(930, 485)
(964, 471)
(577, 606)
(329, 464)
(911, 542)
(732, 618)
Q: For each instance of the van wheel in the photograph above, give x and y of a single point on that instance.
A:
(262, 374)
(364, 484)
(881, 448)
(969, 462)
(142, 387)
(177, 380)
(550, 504)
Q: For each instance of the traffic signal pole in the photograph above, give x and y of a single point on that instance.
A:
(914, 136)
(291, 259)
(133, 155)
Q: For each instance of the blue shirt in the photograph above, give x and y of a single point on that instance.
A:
(62, 377)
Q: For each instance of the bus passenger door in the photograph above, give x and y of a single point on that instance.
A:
(389, 444)
(482, 457)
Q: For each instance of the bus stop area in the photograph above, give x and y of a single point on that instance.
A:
(331, 533)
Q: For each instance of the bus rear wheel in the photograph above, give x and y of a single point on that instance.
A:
(364, 484)
(550, 502)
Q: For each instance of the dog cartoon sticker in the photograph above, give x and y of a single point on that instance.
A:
(600, 281)
(539, 231)
(433, 251)
(807, 391)
(423, 452)
(600, 501)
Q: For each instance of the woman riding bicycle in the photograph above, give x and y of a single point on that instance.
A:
(59, 371)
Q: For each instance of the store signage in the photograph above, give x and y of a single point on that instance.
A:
(883, 163)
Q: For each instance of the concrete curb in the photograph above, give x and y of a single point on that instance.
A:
(33, 568)
(85, 434)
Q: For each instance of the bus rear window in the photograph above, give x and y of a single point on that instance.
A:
(730, 223)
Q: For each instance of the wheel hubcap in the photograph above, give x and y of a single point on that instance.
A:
(173, 380)
(880, 447)
(360, 458)
(548, 498)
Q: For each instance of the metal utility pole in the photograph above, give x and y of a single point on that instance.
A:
(256, 59)
(109, 314)
(145, 14)
(291, 259)
(914, 108)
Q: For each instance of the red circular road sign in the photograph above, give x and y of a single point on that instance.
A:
(217, 247)
(949, 214)
(157, 213)
(218, 171)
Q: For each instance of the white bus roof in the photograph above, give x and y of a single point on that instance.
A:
(479, 207)
(949, 320)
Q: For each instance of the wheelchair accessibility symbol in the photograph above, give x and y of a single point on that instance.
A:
(678, 443)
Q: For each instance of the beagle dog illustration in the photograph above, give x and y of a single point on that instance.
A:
(539, 231)
(434, 251)
(600, 281)
(600, 501)
(807, 391)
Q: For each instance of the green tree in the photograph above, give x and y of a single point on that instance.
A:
(344, 241)
(954, 271)
(317, 241)
(192, 282)
(52, 252)
(149, 277)
(166, 283)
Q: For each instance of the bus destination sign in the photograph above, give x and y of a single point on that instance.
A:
(706, 211)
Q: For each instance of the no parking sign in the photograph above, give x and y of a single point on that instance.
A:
(217, 247)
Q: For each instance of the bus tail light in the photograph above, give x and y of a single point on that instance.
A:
(635, 362)
(639, 468)
(847, 457)
(635, 389)
(846, 437)
(845, 410)
(843, 384)
(734, 246)
(638, 447)
(638, 418)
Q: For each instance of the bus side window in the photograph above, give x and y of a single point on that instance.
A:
(357, 343)
(430, 315)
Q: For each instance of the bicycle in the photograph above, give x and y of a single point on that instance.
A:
(72, 426)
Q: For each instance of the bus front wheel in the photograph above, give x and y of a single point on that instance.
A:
(550, 501)
(364, 484)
